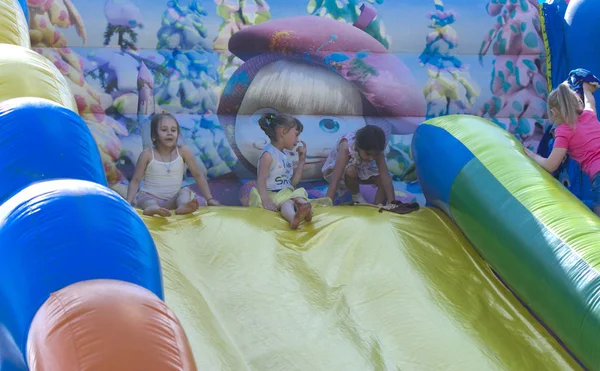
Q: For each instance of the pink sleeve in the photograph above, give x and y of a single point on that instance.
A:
(587, 113)
(562, 136)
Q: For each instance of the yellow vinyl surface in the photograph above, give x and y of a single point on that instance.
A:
(356, 290)
(14, 29)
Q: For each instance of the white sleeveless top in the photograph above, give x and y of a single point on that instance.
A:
(164, 179)
(281, 170)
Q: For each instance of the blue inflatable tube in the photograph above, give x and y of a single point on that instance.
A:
(59, 232)
(41, 140)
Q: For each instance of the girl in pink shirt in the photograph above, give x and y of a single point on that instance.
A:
(577, 134)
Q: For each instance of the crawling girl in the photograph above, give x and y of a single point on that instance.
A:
(577, 133)
(162, 167)
(359, 158)
(277, 179)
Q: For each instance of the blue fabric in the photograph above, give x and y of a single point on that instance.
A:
(596, 190)
(578, 77)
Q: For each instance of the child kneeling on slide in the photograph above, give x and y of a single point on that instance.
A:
(359, 159)
(276, 180)
(163, 177)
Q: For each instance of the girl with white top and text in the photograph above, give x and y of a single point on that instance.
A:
(162, 168)
(277, 179)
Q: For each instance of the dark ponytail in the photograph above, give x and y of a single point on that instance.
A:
(270, 122)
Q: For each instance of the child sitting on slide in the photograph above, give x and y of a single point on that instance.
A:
(276, 180)
(162, 168)
(578, 131)
(359, 159)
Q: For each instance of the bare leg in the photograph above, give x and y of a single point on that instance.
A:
(151, 208)
(185, 203)
(351, 180)
(352, 183)
(288, 211)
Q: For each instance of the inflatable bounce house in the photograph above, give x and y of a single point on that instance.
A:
(496, 270)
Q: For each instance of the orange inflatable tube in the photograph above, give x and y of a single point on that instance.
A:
(107, 325)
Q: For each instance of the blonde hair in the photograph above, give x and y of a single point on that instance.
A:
(300, 88)
(567, 103)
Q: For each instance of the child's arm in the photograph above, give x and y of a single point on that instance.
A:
(261, 181)
(588, 96)
(386, 179)
(553, 161)
(199, 177)
(138, 175)
(300, 168)
(342, 159)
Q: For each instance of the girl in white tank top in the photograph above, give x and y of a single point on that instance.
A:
(162, 168)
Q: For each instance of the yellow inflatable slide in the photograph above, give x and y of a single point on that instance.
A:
(354, 290)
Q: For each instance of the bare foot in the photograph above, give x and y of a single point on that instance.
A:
(155, 210)
(299, 204)
(302, 211)
(188, 208)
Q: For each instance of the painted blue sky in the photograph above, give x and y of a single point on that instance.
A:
(405, 22)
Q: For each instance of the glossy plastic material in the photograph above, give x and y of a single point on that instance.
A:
(25, 73)
(541, 240)
(356, 290)
(106, 325)
(11, 358)
(24, 8)
(62, 147)
(59, 232)
(15, 29)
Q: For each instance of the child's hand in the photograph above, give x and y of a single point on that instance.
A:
(389, 206)
(301, 152)
(213, 202)
(589, 87)
(529, 153)
(269, 205)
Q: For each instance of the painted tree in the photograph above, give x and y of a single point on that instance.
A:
(113, 66)
(46, 20)
(124, 29)
(189, 89)
(236, 14)
(123, 18)
(349, 10)
(518, 85)
(448, 89)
